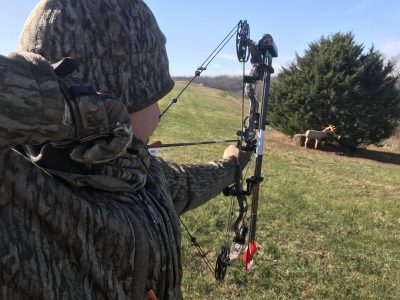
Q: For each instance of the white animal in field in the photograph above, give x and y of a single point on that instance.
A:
(318, 135)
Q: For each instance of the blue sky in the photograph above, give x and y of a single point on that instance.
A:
(195, 27)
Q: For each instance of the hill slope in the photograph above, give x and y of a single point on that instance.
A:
(328, 225)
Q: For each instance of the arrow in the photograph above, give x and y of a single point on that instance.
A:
(159, 144)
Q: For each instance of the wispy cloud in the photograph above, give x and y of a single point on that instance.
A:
(358, 7)
(391, 47)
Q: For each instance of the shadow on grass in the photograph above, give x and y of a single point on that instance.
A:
(376, 155)
(380, 156)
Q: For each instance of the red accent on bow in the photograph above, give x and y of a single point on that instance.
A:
(248, 254)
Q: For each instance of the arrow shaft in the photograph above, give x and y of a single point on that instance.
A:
(189, 144)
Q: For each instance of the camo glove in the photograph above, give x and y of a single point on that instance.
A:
(102, 146)
(102, 124)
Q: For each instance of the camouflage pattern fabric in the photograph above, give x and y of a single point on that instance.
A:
(31, 79)
(110, 231)
(117, 43)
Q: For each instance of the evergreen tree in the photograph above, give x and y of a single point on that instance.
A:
(336, 83)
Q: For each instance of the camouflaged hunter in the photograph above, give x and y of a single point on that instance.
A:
(70, 230)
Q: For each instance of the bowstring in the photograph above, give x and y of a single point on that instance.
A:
(199, 249)
(204, 65)
(227, 235)
(198, 72)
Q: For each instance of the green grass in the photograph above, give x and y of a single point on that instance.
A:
(328, 225)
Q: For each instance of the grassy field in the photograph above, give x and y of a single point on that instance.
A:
(329, 225)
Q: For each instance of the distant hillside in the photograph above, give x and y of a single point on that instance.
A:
(230, 84)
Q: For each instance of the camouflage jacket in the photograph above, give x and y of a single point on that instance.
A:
(69, 231)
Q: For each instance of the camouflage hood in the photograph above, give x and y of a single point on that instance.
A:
(117, 43)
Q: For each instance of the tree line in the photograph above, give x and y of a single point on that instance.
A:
(336, 82)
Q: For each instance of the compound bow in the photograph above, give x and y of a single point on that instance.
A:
(251, 137)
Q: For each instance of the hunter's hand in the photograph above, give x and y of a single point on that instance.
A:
(102, 124)
(242, 157)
